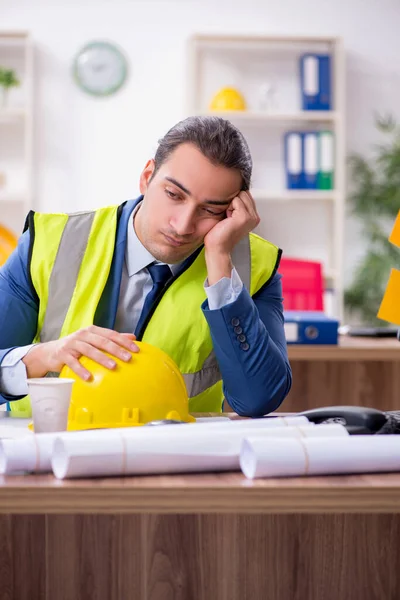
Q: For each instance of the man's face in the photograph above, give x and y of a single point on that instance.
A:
(187, 197)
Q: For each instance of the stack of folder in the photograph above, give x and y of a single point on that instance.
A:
(309, 160)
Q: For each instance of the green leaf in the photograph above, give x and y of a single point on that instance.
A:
(375, 199)
(8, 78)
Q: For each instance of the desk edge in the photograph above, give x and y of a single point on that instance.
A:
(97, 500)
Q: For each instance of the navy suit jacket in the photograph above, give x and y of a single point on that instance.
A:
(255, 371)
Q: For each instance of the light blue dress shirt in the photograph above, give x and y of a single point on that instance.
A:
(136, 283)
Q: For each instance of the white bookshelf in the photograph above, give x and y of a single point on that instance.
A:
(16, 131)
(258, 117)
(246, 62)
(294, 195)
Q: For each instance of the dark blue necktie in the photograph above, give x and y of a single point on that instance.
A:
(160, 275)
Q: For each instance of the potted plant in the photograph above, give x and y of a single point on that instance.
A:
(375, 200)
(8, 80)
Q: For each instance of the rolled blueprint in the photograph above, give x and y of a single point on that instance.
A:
(258, 423)
(263, 457)
(33, 453)
(30, 454)
(8, 432)
(198, 450)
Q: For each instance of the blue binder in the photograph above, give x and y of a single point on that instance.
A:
(310, 159)
(308, 327)
(294, 163)
(315, 79)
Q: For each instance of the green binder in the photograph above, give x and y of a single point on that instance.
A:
(326, 160)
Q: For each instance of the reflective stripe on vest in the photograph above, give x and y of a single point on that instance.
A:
(62, 268)
(71, 261)
(65, 274)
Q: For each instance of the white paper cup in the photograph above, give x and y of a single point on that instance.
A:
(50, 399)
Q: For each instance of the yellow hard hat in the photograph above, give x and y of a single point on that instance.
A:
(8, 243)
(149, 387)
(228, 99)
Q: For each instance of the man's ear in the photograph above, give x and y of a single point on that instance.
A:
(146, 175)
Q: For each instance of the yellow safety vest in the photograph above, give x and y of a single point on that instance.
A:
(70, 263)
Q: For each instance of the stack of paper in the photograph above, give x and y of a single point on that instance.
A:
(261, 448)
(33, 453)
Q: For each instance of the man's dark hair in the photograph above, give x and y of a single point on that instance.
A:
(218, 139)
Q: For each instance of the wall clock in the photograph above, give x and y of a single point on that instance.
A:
(100, 68)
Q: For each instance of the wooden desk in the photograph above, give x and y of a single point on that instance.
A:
(200, 537)
(357, 372)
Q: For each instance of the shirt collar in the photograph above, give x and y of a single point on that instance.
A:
(136, 255)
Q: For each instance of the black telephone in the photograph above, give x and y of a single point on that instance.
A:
(358, 420)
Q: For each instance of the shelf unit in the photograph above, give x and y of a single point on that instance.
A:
(246, 62)
(259, 116)
(16, 131)
(294, 195)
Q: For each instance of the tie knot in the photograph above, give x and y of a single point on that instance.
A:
(159, 273)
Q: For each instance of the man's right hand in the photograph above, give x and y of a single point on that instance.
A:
(92, 342)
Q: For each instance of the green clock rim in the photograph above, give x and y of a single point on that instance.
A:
(117, 52)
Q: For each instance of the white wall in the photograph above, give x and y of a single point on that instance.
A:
(89, 152)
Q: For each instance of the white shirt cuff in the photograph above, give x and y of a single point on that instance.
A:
(224, 292)
(13, 377)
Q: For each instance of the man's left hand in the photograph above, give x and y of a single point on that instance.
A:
(242, 217)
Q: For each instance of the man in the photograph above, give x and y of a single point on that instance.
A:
(176, 268)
